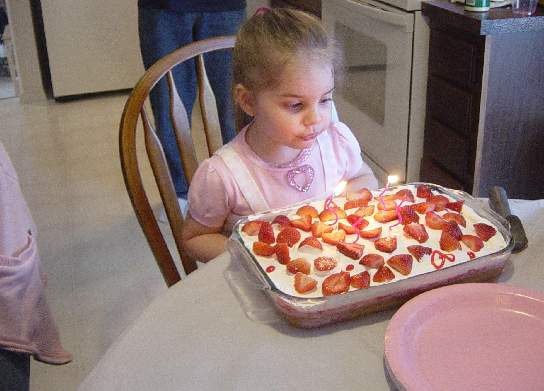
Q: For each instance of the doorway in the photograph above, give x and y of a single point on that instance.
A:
(7, 59)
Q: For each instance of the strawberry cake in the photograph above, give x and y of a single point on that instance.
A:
(337, 258)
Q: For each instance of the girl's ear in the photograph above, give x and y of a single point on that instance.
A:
(245, 99)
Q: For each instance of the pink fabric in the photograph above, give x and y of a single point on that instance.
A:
(26, 324)
(215, 199)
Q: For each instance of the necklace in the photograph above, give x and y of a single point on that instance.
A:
(300, 158)
(297, 168)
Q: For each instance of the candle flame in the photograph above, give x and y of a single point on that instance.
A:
(392, 179)
(340, 188)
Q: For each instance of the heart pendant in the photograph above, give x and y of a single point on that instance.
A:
(307, 172)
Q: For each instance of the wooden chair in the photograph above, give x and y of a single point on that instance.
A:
(134, 109)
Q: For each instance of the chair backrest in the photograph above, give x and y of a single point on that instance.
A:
(135, 110)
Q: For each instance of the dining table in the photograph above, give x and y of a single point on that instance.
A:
(200, 335)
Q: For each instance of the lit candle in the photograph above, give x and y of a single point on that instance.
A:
(391, 180)
(338, 189)
(329, 203)
(399, 216)
(356, 225)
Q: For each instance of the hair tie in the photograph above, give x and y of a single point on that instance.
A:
(262, 10)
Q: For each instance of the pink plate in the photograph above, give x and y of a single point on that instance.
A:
(468, 337)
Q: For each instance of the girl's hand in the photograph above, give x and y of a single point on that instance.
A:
(201, 242)
(363, 178)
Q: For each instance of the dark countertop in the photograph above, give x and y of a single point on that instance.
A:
(495, 21)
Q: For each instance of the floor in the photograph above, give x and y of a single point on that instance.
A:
(100, 271)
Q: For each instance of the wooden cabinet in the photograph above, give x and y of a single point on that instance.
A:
(310, 6)
(485, 103)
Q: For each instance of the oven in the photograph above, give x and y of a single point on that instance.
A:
(381, 93)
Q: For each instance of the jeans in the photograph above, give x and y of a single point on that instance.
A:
(161, 32)
(14, 371)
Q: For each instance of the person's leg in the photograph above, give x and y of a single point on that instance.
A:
(14, 371)
(162, 32)
(219, 63)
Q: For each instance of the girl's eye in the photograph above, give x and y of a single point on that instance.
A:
(294, 106)
(325, 100)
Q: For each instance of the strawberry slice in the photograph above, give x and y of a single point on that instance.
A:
(299, 265)
(417, 232)
(336, 284)
(484, 231)
(387, 205)
(360, 280)
(289, 235)
(310, 243)
(404, 195)
(440, 202)
(362, 194)
(325, 263)
(331, 214)
(456, 206)
(385, 216)
(408, 215)
(304, 223)
(333, 237)
(303, 283)
(252, 228)
(386, 245)
(364, 211)
(423, 191)
(475, 243)
(385, 197)
(401, 263)
(282, 220)
(263, 249)
(266, 233)
(418, 251)
(357, 221)
(307, 210)
(434, 221)
(355, 204)
(424, 207)
(371, 233)
(319, 228)
(448, 242)
(383, 274)
(372, 260)
(351, 250)
(282, 253)
(453, 229)
(347, 228)
(455, 217)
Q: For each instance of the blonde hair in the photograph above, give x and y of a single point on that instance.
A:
(270, 41)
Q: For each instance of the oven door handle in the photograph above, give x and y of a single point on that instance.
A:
(375, 12)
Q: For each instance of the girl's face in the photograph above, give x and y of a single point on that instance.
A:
(296, 111)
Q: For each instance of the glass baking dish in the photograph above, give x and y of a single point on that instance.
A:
(309, 312)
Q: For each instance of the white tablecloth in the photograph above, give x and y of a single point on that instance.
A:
(197, 337)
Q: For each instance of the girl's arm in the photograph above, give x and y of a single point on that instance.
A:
(363, 178)
(201, 242)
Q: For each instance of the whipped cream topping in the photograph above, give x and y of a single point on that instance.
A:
(284, 280)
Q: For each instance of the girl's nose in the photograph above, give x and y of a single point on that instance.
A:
(313, 116)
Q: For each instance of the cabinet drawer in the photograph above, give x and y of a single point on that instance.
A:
(449, 105)
(453, 59)
(433, 173)
(448, 148)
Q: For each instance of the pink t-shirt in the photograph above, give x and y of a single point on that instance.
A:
(216, 199)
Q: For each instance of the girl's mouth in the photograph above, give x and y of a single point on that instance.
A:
(311, 136)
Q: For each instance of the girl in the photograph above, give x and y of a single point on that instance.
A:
(291, 150)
